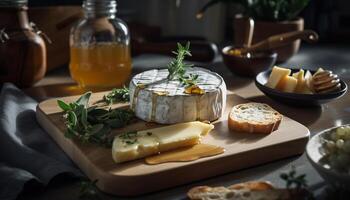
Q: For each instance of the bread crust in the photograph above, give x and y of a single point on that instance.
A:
(263, 189)
(254, 126)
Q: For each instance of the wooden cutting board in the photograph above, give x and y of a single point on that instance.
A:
(135, 178)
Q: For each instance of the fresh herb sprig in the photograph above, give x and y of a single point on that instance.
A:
(88, 190)
(190, 80)
(293, 180)
(117, 95)
(297, 183)
(92, 124)
(177, 68)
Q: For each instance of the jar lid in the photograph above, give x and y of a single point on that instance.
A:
(13, 3)
(100, 7)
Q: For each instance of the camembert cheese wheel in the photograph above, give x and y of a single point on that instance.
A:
(154, 98)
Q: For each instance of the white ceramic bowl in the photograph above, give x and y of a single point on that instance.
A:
(314, 154)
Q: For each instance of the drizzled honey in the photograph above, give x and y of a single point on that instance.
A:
(102, 65)
(186, 154)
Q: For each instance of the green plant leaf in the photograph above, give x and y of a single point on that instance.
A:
(83, 117)
(63, 105)
(72, 118)
(117, 95)
(115, 123)
(93, 124)
(84, 99)
(96, 128)
(88, 190)
(69, 133)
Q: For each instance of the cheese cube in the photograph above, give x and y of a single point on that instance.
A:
(277, 74)
(135, 145)
(287, 84)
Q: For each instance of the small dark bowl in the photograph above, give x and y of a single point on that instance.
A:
(248, 66)
(295, 98)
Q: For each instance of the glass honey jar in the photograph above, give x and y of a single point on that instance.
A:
(100, 47)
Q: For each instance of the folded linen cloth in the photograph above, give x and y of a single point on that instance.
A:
(26, 151)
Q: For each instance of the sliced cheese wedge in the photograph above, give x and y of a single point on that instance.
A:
(308, 83)
(301, 83)
(135, 145)
(277, 74)
(287, 84)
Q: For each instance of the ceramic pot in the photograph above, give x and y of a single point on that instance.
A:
(264, 29)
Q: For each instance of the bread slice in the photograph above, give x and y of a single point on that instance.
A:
(254, 118)
(258, 190)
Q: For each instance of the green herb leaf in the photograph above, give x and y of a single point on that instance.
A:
(63, 105)
(88, 190)
(177, 68)
(72, 119)
(83, 118)
(294, 181)
(84, 99)
(117, 95)
(93, 124)
(96, 128)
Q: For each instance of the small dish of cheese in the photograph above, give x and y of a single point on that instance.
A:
(300, 86)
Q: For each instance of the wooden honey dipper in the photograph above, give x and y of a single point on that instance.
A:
(325, 82)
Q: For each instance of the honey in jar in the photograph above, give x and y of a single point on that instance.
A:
(100, 47)
(100, 65)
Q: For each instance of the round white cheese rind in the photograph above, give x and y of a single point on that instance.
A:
(153, 98)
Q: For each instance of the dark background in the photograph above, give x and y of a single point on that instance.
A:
(330, 18)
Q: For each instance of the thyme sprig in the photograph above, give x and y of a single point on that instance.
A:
(117, 95)
(191, 79)
(177, 68)
(293, 180)
(297, 183)
(92, 124)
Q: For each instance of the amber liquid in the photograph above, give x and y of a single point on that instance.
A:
(185, 154)
(100, 66)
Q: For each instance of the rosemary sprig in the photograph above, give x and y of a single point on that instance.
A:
(177, 68)
(92, 124)
(189, 80)
(117, 95)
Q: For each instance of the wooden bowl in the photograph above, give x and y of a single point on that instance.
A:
(248, 65)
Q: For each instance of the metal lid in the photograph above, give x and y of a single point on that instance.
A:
(100, 7)
(13, 3)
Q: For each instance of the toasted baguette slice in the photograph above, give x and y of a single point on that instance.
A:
(258, 190)
(254, 118)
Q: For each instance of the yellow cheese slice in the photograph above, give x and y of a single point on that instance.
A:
(135, 145)
(295, 75)
(277, 74)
